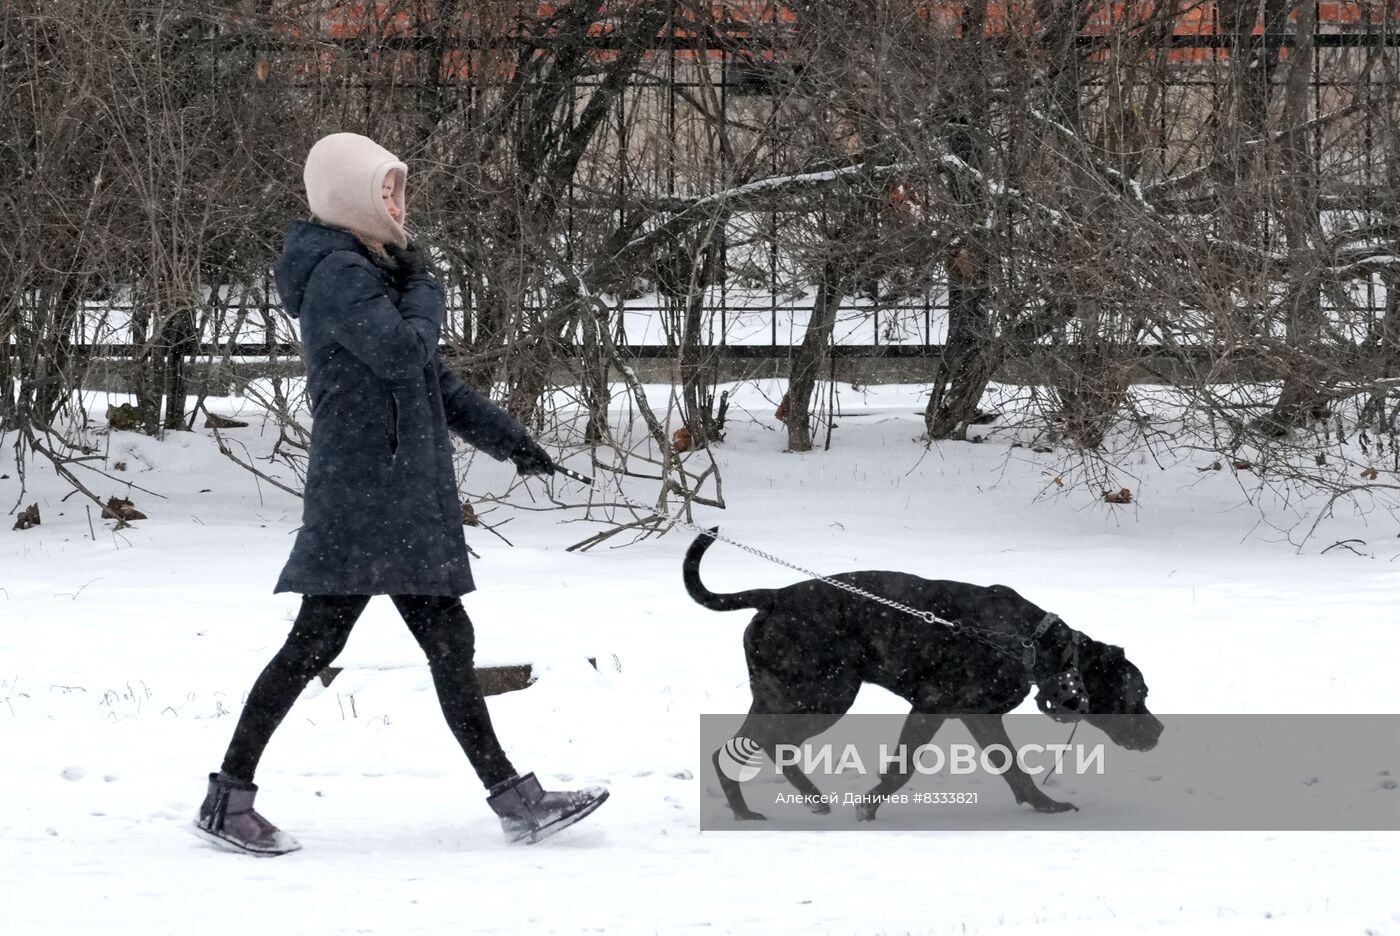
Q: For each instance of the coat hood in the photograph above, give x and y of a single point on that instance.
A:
(344, 177)
(305, 245)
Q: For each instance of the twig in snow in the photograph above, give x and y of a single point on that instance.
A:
(223, 447)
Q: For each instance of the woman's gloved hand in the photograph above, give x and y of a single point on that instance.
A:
(410, 259)
(530, 459)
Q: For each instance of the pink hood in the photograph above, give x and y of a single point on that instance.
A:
(344, 175)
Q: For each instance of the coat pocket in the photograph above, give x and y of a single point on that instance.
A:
(393, 424)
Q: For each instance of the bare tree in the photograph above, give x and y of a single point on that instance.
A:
(1095, 198)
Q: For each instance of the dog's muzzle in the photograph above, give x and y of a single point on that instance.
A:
(1063, 696)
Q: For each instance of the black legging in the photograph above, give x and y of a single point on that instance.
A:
(442, 629)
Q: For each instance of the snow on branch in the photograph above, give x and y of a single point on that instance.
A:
(1191, 177)
(684, 212)
(999, 189)
(1126, 184)
(787, 184)
(1365, 266)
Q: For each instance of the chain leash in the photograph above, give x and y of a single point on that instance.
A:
(927, 616)
(994, 639)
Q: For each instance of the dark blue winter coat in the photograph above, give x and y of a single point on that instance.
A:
(381, 514)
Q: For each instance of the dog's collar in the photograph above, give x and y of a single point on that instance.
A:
(1032, 649)
(1061, 694)
(1047, 622)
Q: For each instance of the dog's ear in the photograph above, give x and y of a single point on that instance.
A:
(1111, 678)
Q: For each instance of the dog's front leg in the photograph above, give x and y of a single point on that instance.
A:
(918, 730)
(797, 729)
(989, 730)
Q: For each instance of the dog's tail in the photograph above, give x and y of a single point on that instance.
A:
(755, 598)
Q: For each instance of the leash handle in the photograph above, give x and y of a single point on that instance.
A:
(560, 469)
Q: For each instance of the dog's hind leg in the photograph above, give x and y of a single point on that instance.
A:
(798, 691)
(989, 731)
(757, 728)
(919, 729)
(733, 795)
(768, 730)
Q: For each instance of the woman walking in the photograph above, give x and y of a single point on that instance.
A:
(380, 514)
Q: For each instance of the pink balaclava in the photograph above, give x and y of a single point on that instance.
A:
(344, 178)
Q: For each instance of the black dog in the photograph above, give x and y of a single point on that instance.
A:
(811, 646)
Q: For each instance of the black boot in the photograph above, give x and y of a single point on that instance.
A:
(227, 818)
(529, 813)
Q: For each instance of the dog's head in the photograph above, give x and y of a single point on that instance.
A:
(1115, 689)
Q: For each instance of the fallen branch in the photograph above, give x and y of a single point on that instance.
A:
(59, 463)
(237, 461)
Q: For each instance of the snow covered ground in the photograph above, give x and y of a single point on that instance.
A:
(124, 659)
